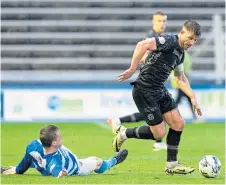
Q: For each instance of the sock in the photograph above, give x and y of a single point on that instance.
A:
(123, 134)
(142, 132)
(132, 118)
(126, 119)
(117, 121)
(158, 141)
(106, 165)
(173, 140)
(138, 117)
(171, 164)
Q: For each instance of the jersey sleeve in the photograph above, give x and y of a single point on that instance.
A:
(149, 35)
(165, 43)
(55, 166)
(179, 68)
(26, 162)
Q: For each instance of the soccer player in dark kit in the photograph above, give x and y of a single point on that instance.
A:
(151, 97)
(159, 20)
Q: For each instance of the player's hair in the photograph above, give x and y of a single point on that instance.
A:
(48, 134)
(194, 27)
(158, 13)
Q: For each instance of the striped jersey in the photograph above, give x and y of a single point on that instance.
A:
(48, 164)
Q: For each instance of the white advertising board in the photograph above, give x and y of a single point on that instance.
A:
(30, 105)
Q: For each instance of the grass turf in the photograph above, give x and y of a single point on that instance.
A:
(143, 166)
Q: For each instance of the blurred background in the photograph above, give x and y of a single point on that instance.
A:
(61, 58)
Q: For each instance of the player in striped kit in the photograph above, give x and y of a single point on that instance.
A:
(50, 157)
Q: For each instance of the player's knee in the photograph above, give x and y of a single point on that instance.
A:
(159, 132)
(179, 125)
(99, 163)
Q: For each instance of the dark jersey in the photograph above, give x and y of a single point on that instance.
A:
(160, 63)
(152, 33)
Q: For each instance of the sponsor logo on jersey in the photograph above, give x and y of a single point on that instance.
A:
(162, 40)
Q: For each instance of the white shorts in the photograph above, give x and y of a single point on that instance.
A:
(87, 165)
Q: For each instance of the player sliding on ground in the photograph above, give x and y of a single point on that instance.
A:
(151, 97)
(50, 157)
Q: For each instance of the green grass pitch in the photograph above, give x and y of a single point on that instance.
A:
(143, 166)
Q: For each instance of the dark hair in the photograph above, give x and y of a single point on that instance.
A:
(48, 134)
(158, 13)
(194, 27)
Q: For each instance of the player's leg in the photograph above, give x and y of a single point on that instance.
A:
(176, 122)
(159, 145)
(117, 159)
(95, 164)
(117, 127)
(115, 123)
(132, 118)
(155, 129)
(136, 117)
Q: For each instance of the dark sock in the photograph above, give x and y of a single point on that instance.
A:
(142, 132)
(173, 140)
(138, 117)
(158, 141)
(132, 118)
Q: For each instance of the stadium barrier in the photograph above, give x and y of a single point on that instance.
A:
(93, 103)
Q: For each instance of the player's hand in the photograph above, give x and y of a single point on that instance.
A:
(10, 171)
(62, 173)
(196, 106)
(126, 74)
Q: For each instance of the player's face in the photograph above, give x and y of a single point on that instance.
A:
(159, 23)
(58, 142)
(188, 39)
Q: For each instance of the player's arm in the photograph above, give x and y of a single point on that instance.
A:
(24, 164)
(145, 56)
(149, 44)
(22, 167)
(142, 47)
(184, 85)
(182, 81)
(56, 169)
(138, 55)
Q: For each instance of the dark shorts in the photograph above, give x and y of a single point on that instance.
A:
(153, 104)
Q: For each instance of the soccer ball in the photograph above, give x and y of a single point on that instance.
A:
(209, 166)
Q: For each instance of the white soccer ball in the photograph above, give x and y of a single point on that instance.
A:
(209, 166)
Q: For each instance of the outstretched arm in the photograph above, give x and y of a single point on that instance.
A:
(145, 56)
(184, 85)
(149, 44)
(141, 48)
(22, 167)
(24, 164)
